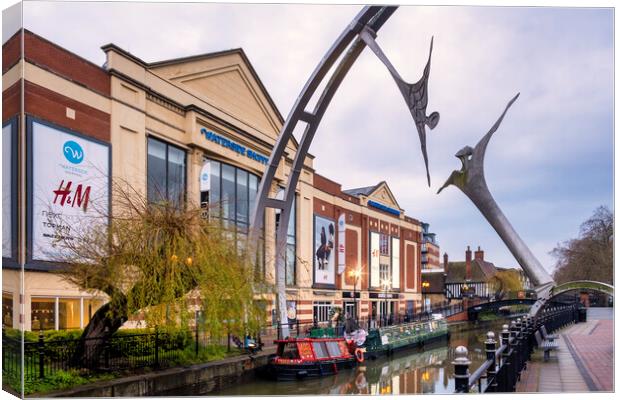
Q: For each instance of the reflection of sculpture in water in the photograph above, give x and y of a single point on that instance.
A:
(471, 181)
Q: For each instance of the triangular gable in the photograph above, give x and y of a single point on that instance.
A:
(228, 81)
(382, 194)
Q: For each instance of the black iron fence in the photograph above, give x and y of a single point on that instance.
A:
(503, 366)
(154, 349)
(302, 329)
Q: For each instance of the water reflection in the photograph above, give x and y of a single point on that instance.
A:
(415, 371)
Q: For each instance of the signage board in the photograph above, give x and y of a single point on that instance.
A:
(324, 264)
(232, 145)
(341, 243)
(70, 189)
(374, 260)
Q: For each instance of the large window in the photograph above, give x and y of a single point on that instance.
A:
(229, 194)
(62, 312)
(290, 253)
(385, 275)
(165, 172)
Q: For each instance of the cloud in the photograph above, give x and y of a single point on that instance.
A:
(548, 166)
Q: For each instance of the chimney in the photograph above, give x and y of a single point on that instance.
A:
(445, 262)
(479, 254)
(468, 264)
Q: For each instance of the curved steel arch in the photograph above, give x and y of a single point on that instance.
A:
(358, 34)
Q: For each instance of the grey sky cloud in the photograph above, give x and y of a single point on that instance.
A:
(549, 165)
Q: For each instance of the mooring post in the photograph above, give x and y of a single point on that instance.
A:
(461, 370)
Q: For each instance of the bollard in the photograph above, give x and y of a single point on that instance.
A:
(461, 370)
(490, 347)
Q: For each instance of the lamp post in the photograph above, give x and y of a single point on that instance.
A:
(425, 286)
(356, 273)
(386, 285)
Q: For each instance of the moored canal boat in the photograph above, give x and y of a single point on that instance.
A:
(387, 340)
(309, 358)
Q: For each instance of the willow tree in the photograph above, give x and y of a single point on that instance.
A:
(156, 260)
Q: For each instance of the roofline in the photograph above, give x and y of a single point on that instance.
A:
(57, 46)
(171, 61)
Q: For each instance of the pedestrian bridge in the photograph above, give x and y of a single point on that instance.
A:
(582, 285)
(473, 311)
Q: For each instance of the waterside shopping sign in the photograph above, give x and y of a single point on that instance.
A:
(236, 147)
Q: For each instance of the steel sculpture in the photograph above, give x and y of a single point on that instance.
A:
(471, 181)
(360, 32)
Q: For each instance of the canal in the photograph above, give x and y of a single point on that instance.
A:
(427, 370)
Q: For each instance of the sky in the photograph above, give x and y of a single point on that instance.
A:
(549, 166)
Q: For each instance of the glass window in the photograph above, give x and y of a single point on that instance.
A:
(253, 183)
(7, 310)
(165, 172)
(321, 310)
(42, 313)
(242, 197)
(68, 313)
(90, 308)
(384, 244)
(156, 175)
(290, 254)
(384, 273)
(227, 203)
(176, 175)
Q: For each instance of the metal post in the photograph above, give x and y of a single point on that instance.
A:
(228, 342)
(505, 376)
(461, 370)
(156, 346)
(197, 316)
(489, 346)
(41, 355)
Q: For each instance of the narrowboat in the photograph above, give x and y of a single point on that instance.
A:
(387, 340)
(309, 358)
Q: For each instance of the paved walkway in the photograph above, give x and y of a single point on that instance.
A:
(583, 362)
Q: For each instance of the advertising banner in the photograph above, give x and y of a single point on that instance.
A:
(70, 190)
(324, 265)
(341, 243)
(395, 263)
(205, 177)
(291, 311)
(374, 260)
(7, 139)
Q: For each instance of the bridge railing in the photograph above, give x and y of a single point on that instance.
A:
(502, 369)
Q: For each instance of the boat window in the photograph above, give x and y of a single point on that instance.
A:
(320, 350)
(334, 350)
(288, 350)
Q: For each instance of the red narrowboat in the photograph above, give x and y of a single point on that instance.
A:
(309, 358)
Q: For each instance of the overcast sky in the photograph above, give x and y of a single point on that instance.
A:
(548, 166)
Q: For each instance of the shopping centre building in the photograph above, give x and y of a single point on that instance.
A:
(198, 129)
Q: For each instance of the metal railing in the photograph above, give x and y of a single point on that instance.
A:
(155, 349)
(503, 366)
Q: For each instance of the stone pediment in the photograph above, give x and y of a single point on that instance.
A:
(227, 81)
(384, 195)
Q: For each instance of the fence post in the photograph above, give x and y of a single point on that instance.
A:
(461, 370)
(228, 343)
(490, 347)
(41, 346)
(505, 376)
(106, 350)
(156, 346)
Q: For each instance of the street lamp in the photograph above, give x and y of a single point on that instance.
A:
(385, 284)
(425, 286)
(356, 273)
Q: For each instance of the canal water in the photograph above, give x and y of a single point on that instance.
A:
(426, 370)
